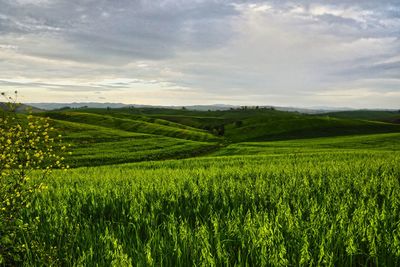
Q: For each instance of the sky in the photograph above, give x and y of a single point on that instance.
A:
(311, 53)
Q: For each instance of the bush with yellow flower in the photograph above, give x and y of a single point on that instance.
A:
(27, 144)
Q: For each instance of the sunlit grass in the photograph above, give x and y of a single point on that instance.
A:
(331, 209)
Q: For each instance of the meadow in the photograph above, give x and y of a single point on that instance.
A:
(300, 190)
(336, 209)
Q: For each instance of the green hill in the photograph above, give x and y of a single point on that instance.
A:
(93, 145)
(238, 125)
(298, 127)
(101, 136)
(268, 124)
(337, 144)
(138, 126)
(126, 114)
(376, 115)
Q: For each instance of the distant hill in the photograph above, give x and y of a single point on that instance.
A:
(270, 124)
(94, 145)
(376, 115)
(77, 105)
(117, 135)
(298, 127)
(233, 125)
(137, 125)
(52, 106)
(214, 107)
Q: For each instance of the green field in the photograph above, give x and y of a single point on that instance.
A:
(97, 145)
(257, 188)
(372, 142)
(102, 136)
(324, 208)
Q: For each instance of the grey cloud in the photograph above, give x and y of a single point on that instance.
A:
(372, 20)
(208, 47)
(123, 30)
(382, 71)
(53, 87)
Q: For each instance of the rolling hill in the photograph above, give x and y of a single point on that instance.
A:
(230, 126)
(299, 127)
(112, 136)
(131, 125)
(93, 145)
(376, 115)
(371, 142)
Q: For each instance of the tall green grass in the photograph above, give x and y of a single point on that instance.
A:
(337, 209)
(142, 148)
(323, 201)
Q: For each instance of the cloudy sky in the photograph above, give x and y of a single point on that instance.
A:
(174, 52)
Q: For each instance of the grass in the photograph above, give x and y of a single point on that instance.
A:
(131, 125)
(337, 209)
(386, 142)
(123, 114)
(388, 116)
(95, 145)
(238, 125)
(321, 191)
(304, 127)
(137, 149)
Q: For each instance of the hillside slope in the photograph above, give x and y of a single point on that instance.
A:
(376, 115)
(95, 145)
(227, 126)
(303, 127)
(132, 125)
(389, 142)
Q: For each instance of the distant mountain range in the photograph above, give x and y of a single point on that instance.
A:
(51, 106)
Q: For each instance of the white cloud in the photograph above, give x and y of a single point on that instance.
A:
(356, 14)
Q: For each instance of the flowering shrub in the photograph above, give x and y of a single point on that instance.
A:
(27, 144)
